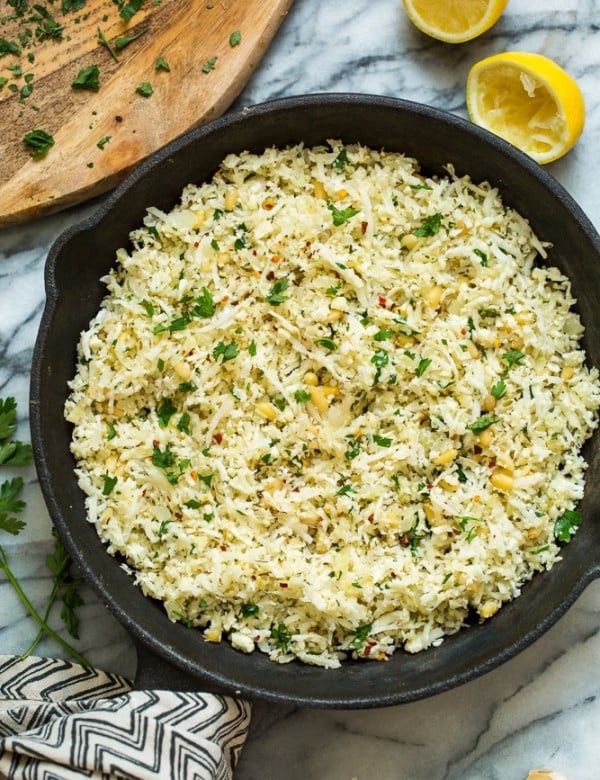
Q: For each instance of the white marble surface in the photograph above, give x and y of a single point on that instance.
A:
(539, 709)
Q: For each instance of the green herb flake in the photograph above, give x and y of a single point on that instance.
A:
(424, 364)
(249, 610)
(566, 525)
(252, 348)
(483, 258)
(235, 38)
(340, 216)
(108, 484)
(103, 141)
(498, 390)
(87, 78)
(341, 160)
(429, 226)
(327, 343)
(162, 64)
(145, 89)
(39, 142)
(204, 304)
(276, 296)
(226, 351)
(282, 637)
(482, 423)
(165, 411)
(302, 396)
(209, 65)
(382, 440)
(122, 42)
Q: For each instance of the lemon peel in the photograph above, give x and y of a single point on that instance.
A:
(529, 100)
(454, 21)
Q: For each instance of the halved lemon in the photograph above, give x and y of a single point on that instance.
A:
(528, 100)
(454, 21)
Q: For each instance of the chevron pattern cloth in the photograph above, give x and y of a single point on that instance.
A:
(60, 721)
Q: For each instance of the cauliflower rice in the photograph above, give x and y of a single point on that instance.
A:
(331, 407)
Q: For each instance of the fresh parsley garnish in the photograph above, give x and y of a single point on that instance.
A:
(145, 89)
(276, 296)
(39, 142)
(235, 38)
(87, 78)
(329, 344)
(226, 351)
(482, 423)
(341, 215)
(566, 525)
(429, 226)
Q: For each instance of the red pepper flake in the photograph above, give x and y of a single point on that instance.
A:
(363, 227)
(283, 584)
(218, 437)
(224, 299)
(178, 515)
(196, 244)
(271, 275)
(492, 464)
(381, 300)
(155, 442)
(430, 486)
(371, 517)
(464, 331)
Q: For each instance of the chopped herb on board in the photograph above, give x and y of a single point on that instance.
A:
(209, 65)
(103, 141)
(125, 40)
(128, 8)
(162, 64)
(87, 78)
(102, 39)
(38, 141)
(145, 89)
(235, 38)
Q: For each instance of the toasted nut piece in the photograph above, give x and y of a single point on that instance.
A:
(433, 515)
(319, 399)
(183, 370)
(267, 409)
(472, 350)
(409, 241)
(568, 372)
(486, 438)
(502, 482)
(434, 296)
(488, 609)
(213, 634)
(341, 194)
(489, 403)
(231, 198)
(545, 774)
(319, 190)
(449, 486)
(268, 203)
(446, 457)
(200, 218)
(524, 318)
(311, 379)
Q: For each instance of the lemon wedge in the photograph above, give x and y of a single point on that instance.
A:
(528, 100)
(454, 21)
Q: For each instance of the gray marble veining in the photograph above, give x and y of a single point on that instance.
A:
(539, 709)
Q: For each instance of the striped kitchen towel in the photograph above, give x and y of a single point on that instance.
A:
(59, 720)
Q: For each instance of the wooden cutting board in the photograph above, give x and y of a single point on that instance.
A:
(211, 48)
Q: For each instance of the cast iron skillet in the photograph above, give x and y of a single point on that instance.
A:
(170, 655)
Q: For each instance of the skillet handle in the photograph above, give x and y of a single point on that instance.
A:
(154, 673)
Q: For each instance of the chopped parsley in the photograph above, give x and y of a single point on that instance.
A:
(39, 142)
(226, 351)
(235, 38)
(209, 65)
(327, 343)
(302, 396)
(109, 484)
(383, 441)
(566, 525)
(341, 215)
(498, 390)
(429, 226)
(424, 364)
(145, 89)
(482, 423)
(276, 296)
(204, 304)
(87, 78)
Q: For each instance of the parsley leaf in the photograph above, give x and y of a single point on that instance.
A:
(87, 78)
(276, 296)
(341, 215)
(205, 305)
(429, 226)
(327, 343)
(39, 142)
(382, 440)
(424, 364)
(227, 351)
(482, 423)
(566, 525)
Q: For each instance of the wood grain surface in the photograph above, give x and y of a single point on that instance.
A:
(101, 135)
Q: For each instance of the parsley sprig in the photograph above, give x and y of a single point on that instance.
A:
(15, 453)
